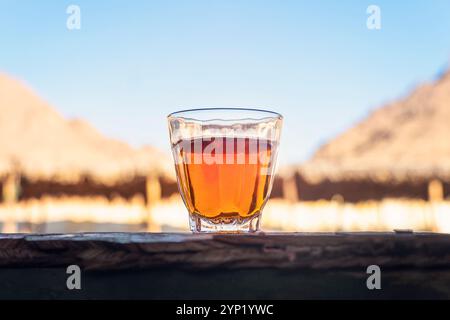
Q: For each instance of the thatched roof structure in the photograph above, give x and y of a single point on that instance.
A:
(407, 140)
(41, 144)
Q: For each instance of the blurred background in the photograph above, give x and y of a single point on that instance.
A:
(85, 87)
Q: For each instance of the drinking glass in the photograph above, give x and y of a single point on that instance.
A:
(225, 160)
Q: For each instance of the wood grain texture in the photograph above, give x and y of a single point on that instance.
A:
(323, 251)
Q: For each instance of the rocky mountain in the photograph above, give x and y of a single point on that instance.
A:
(40, 143)
(408, 138)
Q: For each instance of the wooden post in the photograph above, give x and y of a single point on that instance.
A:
(11, 188)
(10, 195)
(338, 200)
(152, 189)
(290, 189)
(435, 191)
(153, 196)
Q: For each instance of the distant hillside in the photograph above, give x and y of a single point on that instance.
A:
(37, 141)
(409, 138)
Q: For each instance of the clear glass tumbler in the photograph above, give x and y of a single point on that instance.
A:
(225, 160)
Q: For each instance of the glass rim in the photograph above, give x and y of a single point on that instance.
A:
(184, 114)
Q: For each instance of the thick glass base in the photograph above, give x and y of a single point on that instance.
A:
(199, 224)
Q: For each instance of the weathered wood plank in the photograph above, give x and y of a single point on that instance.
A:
(121, 251)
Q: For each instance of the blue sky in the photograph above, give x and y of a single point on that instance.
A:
(133, 62)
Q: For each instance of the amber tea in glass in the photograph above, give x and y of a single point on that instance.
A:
(225, 161)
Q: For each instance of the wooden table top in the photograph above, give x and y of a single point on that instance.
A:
(119, 251)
